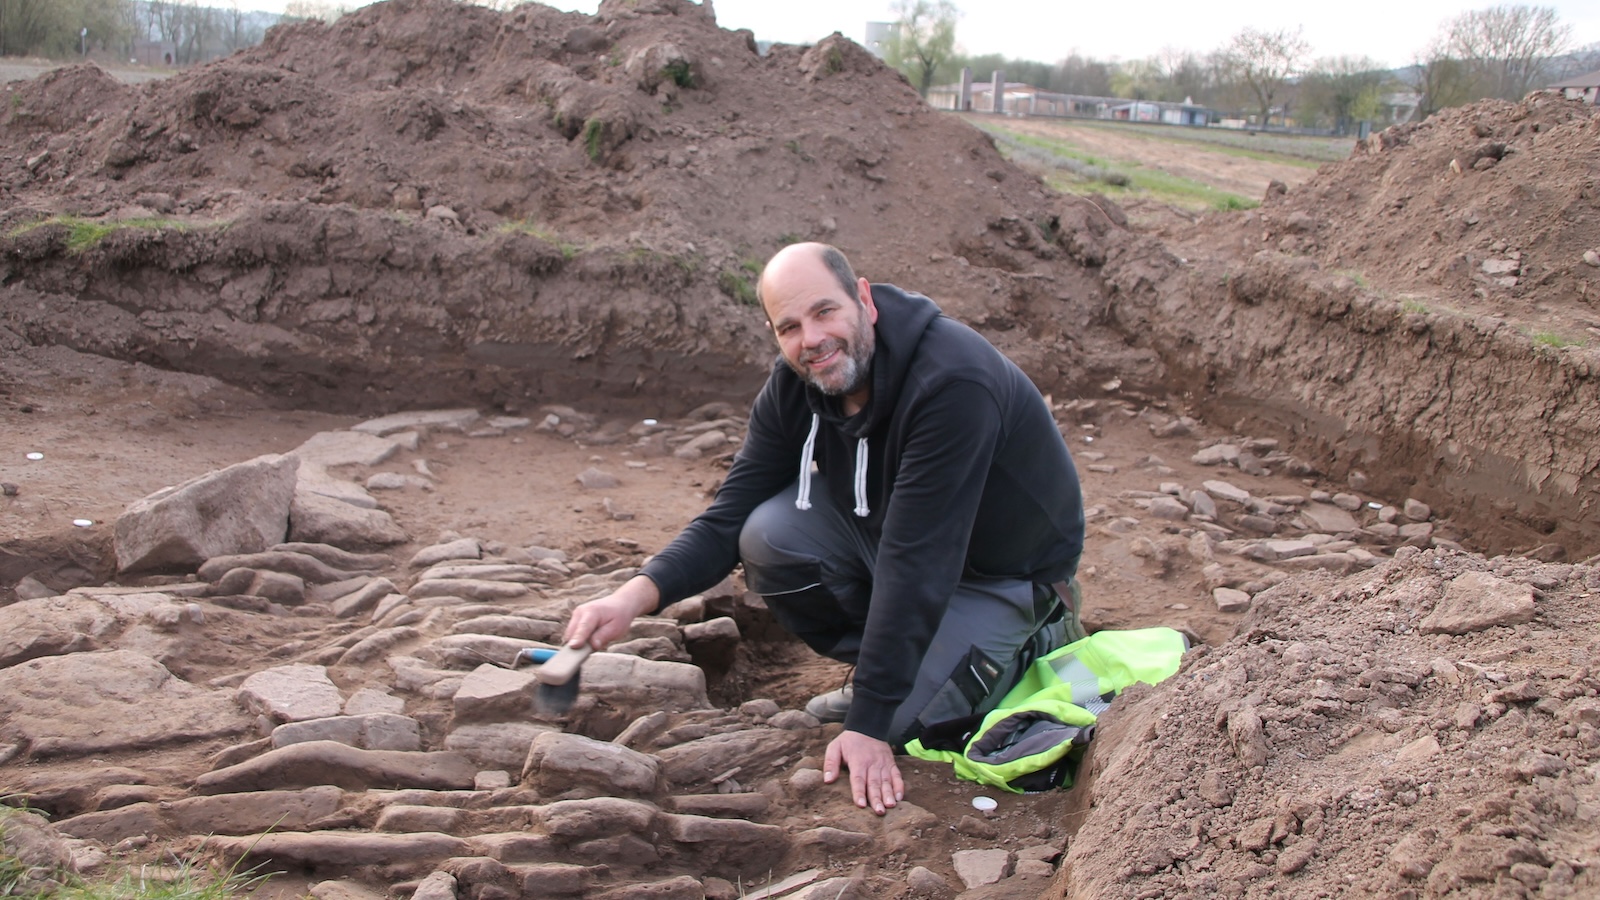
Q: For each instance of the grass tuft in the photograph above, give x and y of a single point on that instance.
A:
(543, 233)
(594, 134)
(83, 234)
(1553, 341)
(737, 285)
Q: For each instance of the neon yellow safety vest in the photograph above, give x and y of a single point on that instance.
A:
(1033, 739)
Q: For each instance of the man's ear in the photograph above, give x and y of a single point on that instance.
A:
(864, 294)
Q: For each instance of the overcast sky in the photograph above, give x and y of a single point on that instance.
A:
(1389, 31)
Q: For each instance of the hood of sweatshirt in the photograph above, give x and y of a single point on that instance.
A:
(902, 318)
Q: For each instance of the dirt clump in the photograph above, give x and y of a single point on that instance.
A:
(1428, 728)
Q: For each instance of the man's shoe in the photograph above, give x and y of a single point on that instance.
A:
(832, 706)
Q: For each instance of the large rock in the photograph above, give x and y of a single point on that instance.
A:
(637, 685)
(498, 745)
(571, 765)
(73, 623)
(247, 813)
(751, 751)
(342, 849)
(109, 701)
(1474, 601)
(319, 519)
(373, 731)
(241, 509)
(329, 762)
(491, 693)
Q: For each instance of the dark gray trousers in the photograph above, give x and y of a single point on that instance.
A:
(814, 568)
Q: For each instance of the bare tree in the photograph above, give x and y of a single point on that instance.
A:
(1441, 80)
(923, 37)
(1509, 50)
(1078, 74)
(1264, 62)
(1343, 90)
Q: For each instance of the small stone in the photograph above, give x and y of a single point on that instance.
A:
(1592, 258)
(491, 780)
(1226, 491)
(596, 479)
(976, 868)
(1347, 502)
(1230, 600)
(1417, 511)
(1216, 455)
(1475, 601)
(1203, 504)
(1169, 508)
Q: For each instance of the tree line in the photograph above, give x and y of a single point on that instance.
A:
(1501, 52)
(191, 30)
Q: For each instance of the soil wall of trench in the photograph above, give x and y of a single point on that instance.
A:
(1465, 413)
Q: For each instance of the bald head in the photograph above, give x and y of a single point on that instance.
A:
(804, 261)
(822, 316)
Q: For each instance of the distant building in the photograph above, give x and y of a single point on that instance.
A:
(1026, 100)
(1583, 87)
(878, 35)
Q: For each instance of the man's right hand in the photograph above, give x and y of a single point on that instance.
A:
(603, 620)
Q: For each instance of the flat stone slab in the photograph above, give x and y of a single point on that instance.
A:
(976, 868)
(563, 765)
(291, 693)
(342, 849)
(462, 548)
(345, 448)
(329, 762)
(1329, 519)
(442, 419)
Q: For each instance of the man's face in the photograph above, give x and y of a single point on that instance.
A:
(825, 333)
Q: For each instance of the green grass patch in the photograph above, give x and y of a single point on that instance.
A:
(1306, 151)
(1413, 306)
(679, 72)
(1073, 170)
(1552, 341)
(738, 285)
(85, 233)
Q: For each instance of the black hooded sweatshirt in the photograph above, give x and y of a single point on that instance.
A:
(966, 474)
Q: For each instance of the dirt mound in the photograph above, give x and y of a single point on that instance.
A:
(1486, 209)
(429, 198)
(1367, 737)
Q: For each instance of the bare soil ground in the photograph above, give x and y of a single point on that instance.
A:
(431, 204)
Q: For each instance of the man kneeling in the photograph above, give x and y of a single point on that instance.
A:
(903, 502)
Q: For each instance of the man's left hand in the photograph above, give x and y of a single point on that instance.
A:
(874, 775)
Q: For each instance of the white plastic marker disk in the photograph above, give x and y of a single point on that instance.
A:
(650, 421)
(36, 455)
(983, 804)
(83, 523)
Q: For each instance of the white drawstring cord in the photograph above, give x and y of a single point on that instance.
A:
(861, 479)
(802, 499)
